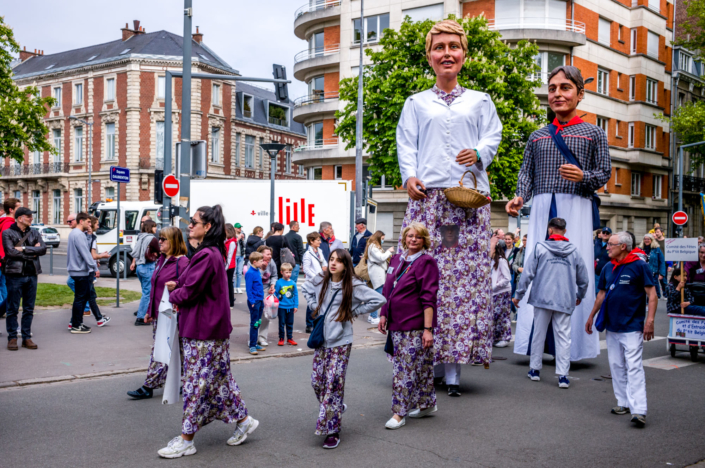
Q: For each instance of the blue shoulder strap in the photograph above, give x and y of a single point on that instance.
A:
(562, 147)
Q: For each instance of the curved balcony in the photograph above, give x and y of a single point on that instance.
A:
(314, 106)
(313, 13)
(315, 60)
(326, 151)
(546, 30)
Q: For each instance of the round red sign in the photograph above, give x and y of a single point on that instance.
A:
(171, 186)
(680, 218)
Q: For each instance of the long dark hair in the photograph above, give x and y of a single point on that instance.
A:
(499, 252)
(345, 311)
(676, 272)
(215, 237)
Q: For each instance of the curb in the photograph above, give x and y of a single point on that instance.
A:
(93, 375)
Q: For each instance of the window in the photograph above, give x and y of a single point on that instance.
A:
(432, 12)
(248, 104)
(260, 159)
(616, 128)
(160, 146)
(632, 87)
(249, 151)
(287, 160)
(57, 144)
(315, 173)
(237, 148)
(630, 137)
(215, 144)
(125, 51)
(278, 115)
(131, 220)
(57, 97)
(602, 123)
(110, 193)
(37, 204)
(650, 134)
(92, 57)
(110, 89)
(548, 61)
(316, 44)
(338, 172)
(78, 200)
(658, 183)
(301, 171)
(603, 81)
(315, 135)
(57, 206)
(216, 95)
(78, 94)
(316, 88)
(519, 14)
(655, 5)
(161, 87)
(651, 89)
(603, 32)
(636, 184)
(619, 32)
(78, 144)
(685, 62)
(18, 195)
(652, 45)
(681, 99)
(633, 42)
(616, 177)
(110, 141)
(37, 157)
(374, 26)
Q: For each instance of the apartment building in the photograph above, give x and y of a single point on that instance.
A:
(623, 44)
(119, 88)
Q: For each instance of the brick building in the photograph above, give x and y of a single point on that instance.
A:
(623, 44)
(119, 88)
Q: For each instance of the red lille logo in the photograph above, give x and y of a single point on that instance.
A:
(300, 211)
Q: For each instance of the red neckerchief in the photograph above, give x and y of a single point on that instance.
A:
(637, 250)
(631, 257)
(557, 237)
(331, 239)
(559, 126)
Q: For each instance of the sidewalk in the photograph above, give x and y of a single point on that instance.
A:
(103, 282)
(121, 347)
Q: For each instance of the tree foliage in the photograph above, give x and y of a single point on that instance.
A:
(688, 121)
(400, 69)
(21, 110)
(693, 35)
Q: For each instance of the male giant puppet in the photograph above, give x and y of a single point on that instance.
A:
(565, 190)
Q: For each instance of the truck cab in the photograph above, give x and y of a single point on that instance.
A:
(125, 226)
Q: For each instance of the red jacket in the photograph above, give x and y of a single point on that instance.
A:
(233, 260)
(5, 223)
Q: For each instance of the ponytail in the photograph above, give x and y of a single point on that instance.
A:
(215, 237)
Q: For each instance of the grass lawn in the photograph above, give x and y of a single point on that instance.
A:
(57, 295)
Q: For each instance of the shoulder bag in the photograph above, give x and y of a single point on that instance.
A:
(317, 338)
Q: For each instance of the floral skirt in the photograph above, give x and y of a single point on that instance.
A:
(210, 390)
(412, 385)
(501, 308)
(328, 381)
(156, 372)
(460, 240)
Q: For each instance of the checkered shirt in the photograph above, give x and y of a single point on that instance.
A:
(448, 98)
(539, 171)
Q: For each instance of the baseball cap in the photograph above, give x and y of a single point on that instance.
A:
(607, 230)
(237, 225)
(23, 211)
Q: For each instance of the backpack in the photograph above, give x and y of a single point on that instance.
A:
(286, 256)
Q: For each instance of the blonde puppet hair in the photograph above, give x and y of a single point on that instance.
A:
(449, 27)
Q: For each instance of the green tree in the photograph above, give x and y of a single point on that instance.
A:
(21, 110)
(688, 121)
(400, 69)
(693, 34)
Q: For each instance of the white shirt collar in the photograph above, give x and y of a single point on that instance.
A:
(405, 258)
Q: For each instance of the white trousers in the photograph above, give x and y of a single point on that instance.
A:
(561, 335)
(450, 371)
(263, 330)
(624, 352)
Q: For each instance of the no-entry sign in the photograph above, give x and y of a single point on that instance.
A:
(680, 218)
(170, 185)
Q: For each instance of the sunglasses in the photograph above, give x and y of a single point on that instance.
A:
(162, 239)
(193, 222)
(69, 221)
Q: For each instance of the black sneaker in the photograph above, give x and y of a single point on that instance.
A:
(639, 420)
(309, 329)
(81, 329)
(135, 314)
(454, 390)
(140, 322)
(141, 393)
(438, 381)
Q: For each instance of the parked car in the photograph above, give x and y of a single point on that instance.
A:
(50, 236)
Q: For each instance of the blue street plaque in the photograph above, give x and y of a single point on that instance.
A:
(119, 174)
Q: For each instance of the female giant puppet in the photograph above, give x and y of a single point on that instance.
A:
(565, 190)
(443, 132)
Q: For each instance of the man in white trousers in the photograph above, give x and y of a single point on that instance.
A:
(622, 285)
(560, 281)
(563, 189)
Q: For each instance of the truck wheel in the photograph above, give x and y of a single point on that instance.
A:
(694, 353)
(673, 350)
(113, 266)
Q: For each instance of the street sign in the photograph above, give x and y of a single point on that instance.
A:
(680, 218)
(119, 174)
(171, 186)
(681, 250)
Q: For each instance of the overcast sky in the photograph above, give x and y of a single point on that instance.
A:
(250, 35)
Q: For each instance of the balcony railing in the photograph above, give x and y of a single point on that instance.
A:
(276, 121)
(690, 184)
(317, 52)
(316, 98)
(542, 22)
(35, 169)
(321, 144)
(315, 6)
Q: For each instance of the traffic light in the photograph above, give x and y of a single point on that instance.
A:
(158, 190)
(281, 89)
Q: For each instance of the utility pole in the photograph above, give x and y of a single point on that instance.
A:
(185, 169)
(359, 185)
(674, 92)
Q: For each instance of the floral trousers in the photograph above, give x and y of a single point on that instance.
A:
(328, 381)
(501, 309)
(412, 385)
(156, 372)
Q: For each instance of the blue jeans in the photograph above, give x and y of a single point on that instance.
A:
(295, 273)
(24, 288)
(3, 295)
(239, 263)
(144, 273)
(375, 314)
(255, 316)
(72, 286)
(286, 318)
(695, 310)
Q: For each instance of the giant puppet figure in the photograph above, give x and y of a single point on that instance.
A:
(566, 190)
(443, 132)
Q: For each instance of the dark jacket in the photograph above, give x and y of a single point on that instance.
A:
(602, 257)
(357, 248)
(240, 247)
(325, 247)
(253, 242)
(14, 262)
(277, 243)
(296, 243)
(165, 271)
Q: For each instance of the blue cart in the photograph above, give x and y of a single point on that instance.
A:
(686, 330)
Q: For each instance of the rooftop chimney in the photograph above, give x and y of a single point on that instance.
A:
(25, 54)
(128, 33)
(198, 37)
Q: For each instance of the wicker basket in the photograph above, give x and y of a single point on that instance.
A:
(465, 197)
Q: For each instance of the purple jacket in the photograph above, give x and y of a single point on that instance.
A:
(416, 290)
(163, 274)
(202, 296)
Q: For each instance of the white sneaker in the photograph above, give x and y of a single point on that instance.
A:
(176, 448)
(242, 431)
(373, 321)
(262, 342)
(394, 424)
(239, 290)
(418, 413)
(501, 344)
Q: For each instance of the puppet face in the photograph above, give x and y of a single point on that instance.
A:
(563, 94)
(447, 55)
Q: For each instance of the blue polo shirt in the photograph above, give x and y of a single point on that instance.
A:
(626, 304)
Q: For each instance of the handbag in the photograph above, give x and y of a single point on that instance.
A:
(568, 155)
(317, 339)
(361, 270)
(600, 321)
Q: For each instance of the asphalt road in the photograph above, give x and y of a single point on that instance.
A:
(502, 419)
(59, 267)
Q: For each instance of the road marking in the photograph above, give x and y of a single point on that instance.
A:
(668, 362)
(603, 343)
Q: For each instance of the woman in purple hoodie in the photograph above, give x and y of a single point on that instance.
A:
(201, 295)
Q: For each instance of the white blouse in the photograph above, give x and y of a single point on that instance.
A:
(430, 134)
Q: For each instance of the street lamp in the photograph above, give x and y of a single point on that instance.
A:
(90, 158)
(272, 149)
